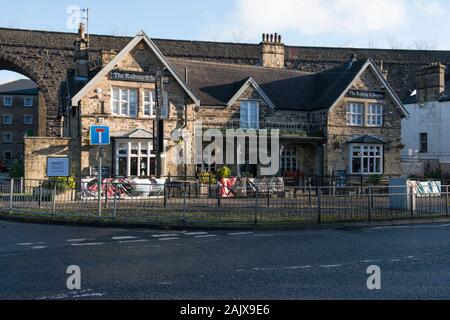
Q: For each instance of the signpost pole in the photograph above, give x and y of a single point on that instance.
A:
(100, 158)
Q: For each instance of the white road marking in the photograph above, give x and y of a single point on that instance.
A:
(165, 235)
(396, 260)
(168, 239)
(78, 240)
(87, 244)
(206, 236)
(297, 267)
(240, 233)
(134, 241)
(24, 244)
(7, 255)
(39, 247)
(124, 238)
(195, 233)
(89, 295)
(371, 261)
(331, 266)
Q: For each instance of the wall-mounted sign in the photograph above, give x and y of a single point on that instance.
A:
(106, 171)
(362, 94)
(58, 167)
(130, 76)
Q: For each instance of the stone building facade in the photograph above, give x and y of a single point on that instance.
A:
(19, 117)
(343, 121)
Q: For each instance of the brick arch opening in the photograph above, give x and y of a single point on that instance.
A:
(10, 63)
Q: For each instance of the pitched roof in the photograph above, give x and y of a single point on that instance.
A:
(142, 36)
(367, 139)
(217, 83)
(20, 87)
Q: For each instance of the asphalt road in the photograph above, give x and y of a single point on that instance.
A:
(149, 264)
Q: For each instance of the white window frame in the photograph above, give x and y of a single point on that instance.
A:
(8, 104)
(291, 157)
(248, 105)
(8, 115)
(365, 153)
(10, 135)
(26, 104)
(150, 155)
(149, 107)
(353, 114)
(374, 118)
(28, 116)
(165, 108)
(126, 101)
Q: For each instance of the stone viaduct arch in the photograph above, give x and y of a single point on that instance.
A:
(45, 56)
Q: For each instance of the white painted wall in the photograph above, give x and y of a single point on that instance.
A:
(434, 119)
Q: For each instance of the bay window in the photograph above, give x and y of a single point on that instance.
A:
(249, 114)
(134, 159)
(125, 102)
(366, 159)
(374, 115)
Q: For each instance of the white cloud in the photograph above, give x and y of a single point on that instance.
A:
(8, 76)
(428, 7)
(314, 17)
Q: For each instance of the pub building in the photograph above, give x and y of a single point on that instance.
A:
(344, 121)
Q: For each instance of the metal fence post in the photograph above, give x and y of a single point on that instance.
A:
(411, 189)
(309, 196)
(11, 196)
(446, 202)
(319, 205)
(115, 202)
(369, 198)
(40, 195)
(268, 197)
(165, 194)
(218, 197)
(256, 198)
(54, 201)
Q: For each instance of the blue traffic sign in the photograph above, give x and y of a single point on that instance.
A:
(100, 136)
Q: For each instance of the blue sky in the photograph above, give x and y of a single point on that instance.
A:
(351, 23)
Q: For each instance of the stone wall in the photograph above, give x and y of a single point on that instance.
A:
(45, 56)
(339, 133)
(38, 149)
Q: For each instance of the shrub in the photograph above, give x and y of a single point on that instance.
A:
(374, 179)
(62, 184)
(434, 174)
(207, 178)
(224, 172)
(17, 169)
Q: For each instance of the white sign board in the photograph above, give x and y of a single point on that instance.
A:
(58, 167)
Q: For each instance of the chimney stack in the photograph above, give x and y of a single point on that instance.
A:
(430, 82)
(273, 51)
(81, 56)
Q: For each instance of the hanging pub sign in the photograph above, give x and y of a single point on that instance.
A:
(118, 75)
(362, 94)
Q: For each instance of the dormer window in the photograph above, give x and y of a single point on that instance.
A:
(249, 114)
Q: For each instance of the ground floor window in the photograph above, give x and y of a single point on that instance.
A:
(289, 162)
(366, 159)
(135, 159)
